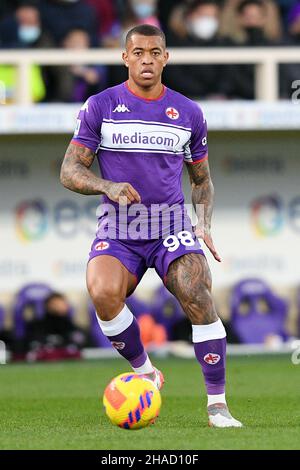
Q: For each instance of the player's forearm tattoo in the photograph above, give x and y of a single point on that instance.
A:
(202, 189)
(76, 175)
(189, 279)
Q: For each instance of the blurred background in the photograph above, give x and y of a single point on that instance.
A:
(240, 59)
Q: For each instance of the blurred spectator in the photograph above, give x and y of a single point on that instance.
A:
(165, 8)
(76, 83)
(60, 16)
(105, 16)
(23, 29)
(291, 72)
(55, 329)
(144, 12)
(177, 21)
(231, 23)
(201, 23)
(133, 13)
(252, 17)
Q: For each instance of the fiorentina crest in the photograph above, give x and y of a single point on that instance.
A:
(211, 358)
(118, 345)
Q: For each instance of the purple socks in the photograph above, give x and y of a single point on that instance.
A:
(124, 334)
(209, 344)
(128, 344)
(210, 349)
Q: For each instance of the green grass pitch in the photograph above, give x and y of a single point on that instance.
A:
(57, 406)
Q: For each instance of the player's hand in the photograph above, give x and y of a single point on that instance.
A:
(123, 193)
(205, 235)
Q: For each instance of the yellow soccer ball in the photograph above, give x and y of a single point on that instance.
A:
(131, 401)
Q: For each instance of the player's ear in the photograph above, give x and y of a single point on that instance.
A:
(125, 58)
(166, 58)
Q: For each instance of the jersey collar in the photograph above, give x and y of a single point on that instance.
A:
(148, 100)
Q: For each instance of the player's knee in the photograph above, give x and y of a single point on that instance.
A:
(107, 299)
(199, 290)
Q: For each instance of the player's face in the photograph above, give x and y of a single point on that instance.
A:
(145, 58)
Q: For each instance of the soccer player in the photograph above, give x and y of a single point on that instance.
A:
(142, 133)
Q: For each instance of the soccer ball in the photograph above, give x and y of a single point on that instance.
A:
(131, 401)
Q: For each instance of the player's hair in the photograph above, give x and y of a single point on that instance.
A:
(145, 30)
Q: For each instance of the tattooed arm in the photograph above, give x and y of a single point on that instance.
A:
(76, 175)
(202, 196)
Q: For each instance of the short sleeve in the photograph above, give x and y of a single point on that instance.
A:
(88, 127)
(197, 149)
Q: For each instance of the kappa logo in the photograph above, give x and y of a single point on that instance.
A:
(118, 345)
(172, 113)
(101, 246)
(121, 108)
(211, 358)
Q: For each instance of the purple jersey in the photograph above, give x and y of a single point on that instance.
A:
(143, 142)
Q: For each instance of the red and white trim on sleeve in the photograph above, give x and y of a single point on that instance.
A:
(74, 142)
(198, 161)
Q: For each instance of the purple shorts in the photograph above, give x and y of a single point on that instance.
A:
(139, 255)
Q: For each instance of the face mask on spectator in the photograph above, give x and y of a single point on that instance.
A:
(143, 10)
(205, 27)
(29, 34)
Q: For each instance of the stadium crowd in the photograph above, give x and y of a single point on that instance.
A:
(82, 24)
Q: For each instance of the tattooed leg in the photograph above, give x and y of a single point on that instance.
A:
(189, 280)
